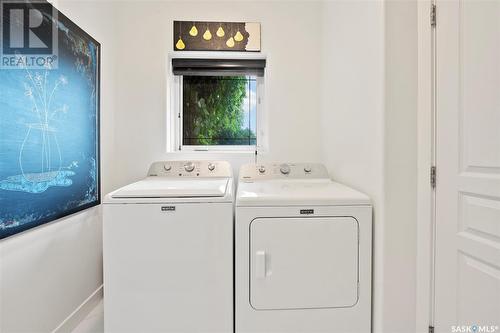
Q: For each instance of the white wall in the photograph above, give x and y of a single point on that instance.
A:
(368, 116)
(47, 272)
(352, 112)
(144, 42)
(340, 90)
(400, 167)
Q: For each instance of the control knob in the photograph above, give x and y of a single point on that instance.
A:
(167, 167)
(307, 169)
(189, 166)
(262, 169)
(285, 169)
(211, 166)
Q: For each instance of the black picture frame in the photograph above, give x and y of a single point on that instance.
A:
(72, 26)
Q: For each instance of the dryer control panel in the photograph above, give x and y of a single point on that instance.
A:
(269, 171)
(201, 169)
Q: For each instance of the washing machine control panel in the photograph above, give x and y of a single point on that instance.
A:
(251, 172)
(202, 169)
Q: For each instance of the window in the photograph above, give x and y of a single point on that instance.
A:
(219, 110)
(218, 104)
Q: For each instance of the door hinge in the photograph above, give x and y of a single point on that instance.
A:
(433, 15)
(431, 329)
(433, 176)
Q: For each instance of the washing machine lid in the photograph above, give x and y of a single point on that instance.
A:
(298, 193)
(159, 187)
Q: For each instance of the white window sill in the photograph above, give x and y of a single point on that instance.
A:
(211, 151)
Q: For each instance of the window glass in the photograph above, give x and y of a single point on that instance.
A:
(219, 110)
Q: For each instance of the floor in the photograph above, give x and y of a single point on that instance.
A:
(94, 322)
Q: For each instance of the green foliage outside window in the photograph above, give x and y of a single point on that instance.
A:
(214, 111)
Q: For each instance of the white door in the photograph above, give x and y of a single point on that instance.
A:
(467, 265)
(303, 263)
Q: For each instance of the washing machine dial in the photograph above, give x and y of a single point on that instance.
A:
(167, 167)
(262, 169)
(211, 166)
(285, 169)
(307, 169)
(189, 166)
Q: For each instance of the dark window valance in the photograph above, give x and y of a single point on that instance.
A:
(218, 67)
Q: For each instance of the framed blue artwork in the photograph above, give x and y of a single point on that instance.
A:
(49, 117)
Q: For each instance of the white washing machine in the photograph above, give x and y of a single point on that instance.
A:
(168, 250)
(303, 252)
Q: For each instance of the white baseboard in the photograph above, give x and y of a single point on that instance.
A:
(70, 323)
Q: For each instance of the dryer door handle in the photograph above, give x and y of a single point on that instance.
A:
(260, 264)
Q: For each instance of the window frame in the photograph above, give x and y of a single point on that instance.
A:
(175, 112)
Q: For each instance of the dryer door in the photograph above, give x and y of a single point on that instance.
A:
(301, 263)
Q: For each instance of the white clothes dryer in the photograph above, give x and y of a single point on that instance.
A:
(303, 249)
